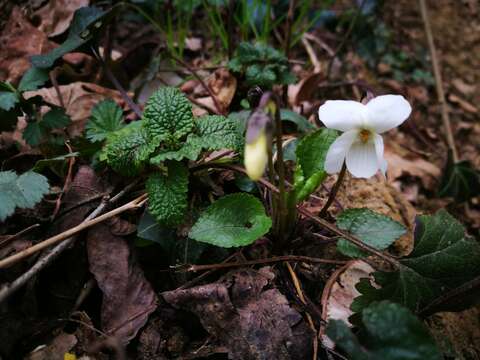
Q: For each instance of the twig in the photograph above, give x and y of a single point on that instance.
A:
(66, 185)
(444, 298)
(118, 86)
(9, 289)
(53, 79)
(134, 204)
(438, 81)
(195, 268)
(220, 109)
(298, 288)
(349, 237)
(333, 192)
(17, 235)
(345, 38)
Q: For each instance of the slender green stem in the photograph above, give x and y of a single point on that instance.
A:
(334, 191)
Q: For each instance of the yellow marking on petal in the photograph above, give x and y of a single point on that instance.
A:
(256, 157)
(364, 135)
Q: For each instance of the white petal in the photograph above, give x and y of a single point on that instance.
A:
(342, 115)
(337, 151)
(387, 111)
(362, 159)
(382, 163)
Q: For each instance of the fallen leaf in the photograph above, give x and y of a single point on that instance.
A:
(194, 43)
(339, 293)
(223, 86)
(401, 165)
(18, 41)
(56, 15)
(252, 319)
(463, 87)
(303, 91)
(79, 98)
(128, 298)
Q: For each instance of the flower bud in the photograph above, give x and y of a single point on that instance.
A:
(256, 156)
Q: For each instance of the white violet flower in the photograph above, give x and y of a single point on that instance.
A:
(360, 145)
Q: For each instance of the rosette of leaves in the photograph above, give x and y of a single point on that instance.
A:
(165, 138)
(443, 259)
(262, 65)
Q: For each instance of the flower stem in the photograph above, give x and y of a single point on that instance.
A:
(333, 192)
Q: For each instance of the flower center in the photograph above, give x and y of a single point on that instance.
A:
(364, 135)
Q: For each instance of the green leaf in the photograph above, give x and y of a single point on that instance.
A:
(86, 22)
(389, 332)
(23, 191)
(443, 258)
(218, 132)
(302, 124)
(460, 181)
(34, 133)
(8, 100)
(191, 149)
(128, 149)
(42, 164)
(33, 79)
(376, 230)
(167, 194)
(150, 229)
(168, 116)
(233, 220)
(262, 65)
(311, 153)
(106, 118)
(55, 118)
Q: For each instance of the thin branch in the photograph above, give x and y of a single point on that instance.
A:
(438, 81)
(354, 240)
(333, 192)
(10, 238)
(195, 268)
(9, 289)
(118, 86)
(134, 204)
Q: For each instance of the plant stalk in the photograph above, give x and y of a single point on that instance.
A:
(334, 191)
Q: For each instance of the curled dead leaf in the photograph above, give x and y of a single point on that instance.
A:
(339, 292)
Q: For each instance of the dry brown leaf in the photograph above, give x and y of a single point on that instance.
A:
(339, 292)
(463, 87)
(20, 40)
(223, 85)
(79, 98)
(61, 344)
(56, 15)
(253, 320)
(303, 91)
(400, 165)
(128, 298)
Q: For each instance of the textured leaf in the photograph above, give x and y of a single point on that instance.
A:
(23, 191)
(390, 332)
(128, 149)
(233, 220)
(191, 149)
(443, 258)
(167, 194)
(33, 79)
(460, 181)
(168, 116)
(106, 118)
(8, 100)
(55, 118)
(376, 230)
(311, 153)
(86, 22)
(262, 65)
(218, 132)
